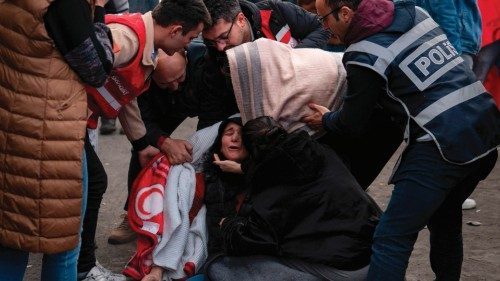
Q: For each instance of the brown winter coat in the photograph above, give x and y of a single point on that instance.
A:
(42, 126)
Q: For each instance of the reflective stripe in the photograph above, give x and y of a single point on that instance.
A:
(256, 80)
(422, 10)
(282, 33)
(109, 98)
(452, 99)
(412, 35)
(240, 55)
(383, 54)
(387, 55)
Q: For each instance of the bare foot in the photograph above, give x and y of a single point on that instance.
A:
(156, 274)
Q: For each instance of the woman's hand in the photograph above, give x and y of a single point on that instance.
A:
(156, 274)
(228, 166)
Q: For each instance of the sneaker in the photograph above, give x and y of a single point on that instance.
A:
(123, 233)
(99, 273)
(107, 126)
(469, 204)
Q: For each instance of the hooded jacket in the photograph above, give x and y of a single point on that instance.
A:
(221, 192)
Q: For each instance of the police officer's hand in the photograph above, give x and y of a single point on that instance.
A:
(314, 120)
(228, 166)
(147, 154)
(177, 151)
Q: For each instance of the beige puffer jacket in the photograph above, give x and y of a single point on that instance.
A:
(43, 110)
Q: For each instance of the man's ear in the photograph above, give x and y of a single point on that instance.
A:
(175, 30)
(346, 14)
(241, 19)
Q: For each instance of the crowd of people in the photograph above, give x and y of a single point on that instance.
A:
(300, 106)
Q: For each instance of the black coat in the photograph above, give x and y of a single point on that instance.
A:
(221, 191)
(303, 204)
(163, 110)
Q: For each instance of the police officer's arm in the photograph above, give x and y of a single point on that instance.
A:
(304, 26)
(365, 87)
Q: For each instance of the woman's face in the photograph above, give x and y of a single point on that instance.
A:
(232, 146)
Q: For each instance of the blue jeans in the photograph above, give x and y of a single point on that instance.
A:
(55, 267)
(428, 191)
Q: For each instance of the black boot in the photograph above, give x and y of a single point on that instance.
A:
(107, 126)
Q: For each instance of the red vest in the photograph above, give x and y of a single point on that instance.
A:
(124, 83)
(283, 36)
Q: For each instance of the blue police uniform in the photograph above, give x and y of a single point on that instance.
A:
(452, 131)
(427, 77)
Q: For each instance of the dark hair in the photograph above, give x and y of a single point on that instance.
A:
(304, 2)
(222, 9)
(262, 134)
(187, 13)
(337, 4)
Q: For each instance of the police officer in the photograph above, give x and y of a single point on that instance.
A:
(399, 59)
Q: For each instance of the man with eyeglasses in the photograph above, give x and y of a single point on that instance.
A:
(400, 60)
(237, 22)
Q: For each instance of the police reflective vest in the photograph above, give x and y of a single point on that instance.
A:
(124, 83)
(434, 87)
(284, 35)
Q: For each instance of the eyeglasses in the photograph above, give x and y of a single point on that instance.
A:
(222, 38)
(323, 18)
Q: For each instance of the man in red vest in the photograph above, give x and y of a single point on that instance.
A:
(136, 40)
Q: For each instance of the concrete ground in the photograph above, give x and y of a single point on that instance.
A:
(481, 243)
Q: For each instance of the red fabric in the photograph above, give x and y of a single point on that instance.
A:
(198, 197)
(265, 16)
(151, 182)
(372, 16)
(161, 139)
(124, 83)
(490, 17)
(492, 84)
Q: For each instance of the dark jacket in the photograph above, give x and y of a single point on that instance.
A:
(303, 203)
(221, 192)
(304, 26)
(414, 95)
(162, 110)
(215, 100)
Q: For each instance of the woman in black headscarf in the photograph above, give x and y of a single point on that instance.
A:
(302, 206)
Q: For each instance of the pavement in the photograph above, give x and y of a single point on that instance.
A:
(481, 243)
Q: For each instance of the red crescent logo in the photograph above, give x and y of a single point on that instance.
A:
(149, 201)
